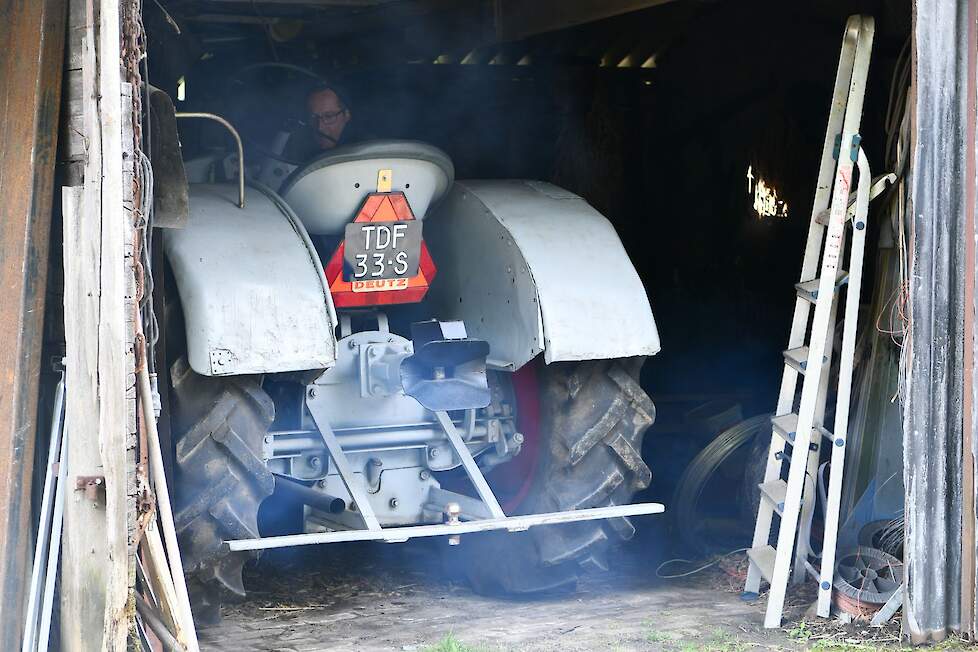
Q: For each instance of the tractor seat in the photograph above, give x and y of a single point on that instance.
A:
(327, 192)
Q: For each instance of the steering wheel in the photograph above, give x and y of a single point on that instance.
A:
(253, 118)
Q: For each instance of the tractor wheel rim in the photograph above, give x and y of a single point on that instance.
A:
(515, 478)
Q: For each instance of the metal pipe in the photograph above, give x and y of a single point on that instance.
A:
(353, 439)
(351, 443)
(237, 139)
(400, 534)
(310, 496)
(47, 511)
(54, 546)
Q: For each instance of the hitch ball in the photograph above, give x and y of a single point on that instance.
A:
(453, 511)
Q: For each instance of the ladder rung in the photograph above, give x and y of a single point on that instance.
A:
(786, 426)
(763, 557)
(809, 289)
(797, 359)
(825, 433)
(876, 188)
(782, 456)
(774, 492)
(822, 217)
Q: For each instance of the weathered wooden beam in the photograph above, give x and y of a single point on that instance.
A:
(32, 32)
(115, 323)
(100, 410)
(516, 19)
(83, 556)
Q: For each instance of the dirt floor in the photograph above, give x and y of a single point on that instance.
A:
(396, 597)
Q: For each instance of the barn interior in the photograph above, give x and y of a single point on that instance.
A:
(695, 127)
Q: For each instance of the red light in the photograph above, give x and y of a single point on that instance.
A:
(380, 207)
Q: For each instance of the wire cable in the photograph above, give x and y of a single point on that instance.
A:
(716, 560)
(703, 467)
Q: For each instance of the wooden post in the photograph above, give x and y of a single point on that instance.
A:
(97, 562)
(32, 33)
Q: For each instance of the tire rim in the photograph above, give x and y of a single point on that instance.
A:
(514, 479)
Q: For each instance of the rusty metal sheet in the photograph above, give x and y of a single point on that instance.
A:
(933, 367)
(32, 32)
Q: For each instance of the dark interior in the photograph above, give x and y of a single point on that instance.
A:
(654, 116)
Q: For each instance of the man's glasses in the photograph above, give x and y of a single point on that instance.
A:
(325, 118)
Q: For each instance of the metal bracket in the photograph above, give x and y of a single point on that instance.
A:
(854, 147)
(220, 358)
(889, 609)
(385, 179)
(336, 454)
(92, 484)
(469, 464)
(483, 515)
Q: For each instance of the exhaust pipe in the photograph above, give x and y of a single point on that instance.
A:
(309, 496)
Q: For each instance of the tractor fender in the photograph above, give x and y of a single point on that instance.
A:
(531, 267)
(252, 288)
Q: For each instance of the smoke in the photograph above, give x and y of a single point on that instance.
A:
(661, 152)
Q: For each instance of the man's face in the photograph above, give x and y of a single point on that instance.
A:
(327, 117)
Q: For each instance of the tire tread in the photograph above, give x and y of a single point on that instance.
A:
(219, 427)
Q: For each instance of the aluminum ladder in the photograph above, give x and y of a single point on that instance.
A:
(809, 354)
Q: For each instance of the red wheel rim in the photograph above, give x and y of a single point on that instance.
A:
(514, 478)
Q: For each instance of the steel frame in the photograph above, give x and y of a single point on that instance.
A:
(401, 534)
(476, 510)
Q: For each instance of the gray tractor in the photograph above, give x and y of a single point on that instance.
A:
(405, 355)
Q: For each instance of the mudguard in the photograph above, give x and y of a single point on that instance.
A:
(531, 267)
(251, 285)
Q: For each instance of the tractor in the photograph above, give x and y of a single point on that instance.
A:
(403, 355)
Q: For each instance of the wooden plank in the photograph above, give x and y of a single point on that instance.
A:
(113, 332)
(160, 580)
(516, 19)
(72, 129)
(97, 571)
(76, 30)
(30, 89)
(163, 504)
(131, 311)
(83, 556)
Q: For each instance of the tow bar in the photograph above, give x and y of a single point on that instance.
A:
(482, 516)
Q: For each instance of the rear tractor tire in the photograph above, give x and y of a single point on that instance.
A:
(593, 416)
(218, 425)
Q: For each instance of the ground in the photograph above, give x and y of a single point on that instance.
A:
(397, 597)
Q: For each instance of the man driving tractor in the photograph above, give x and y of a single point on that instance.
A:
(328, 116)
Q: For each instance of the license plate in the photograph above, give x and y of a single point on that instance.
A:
(382, 255)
